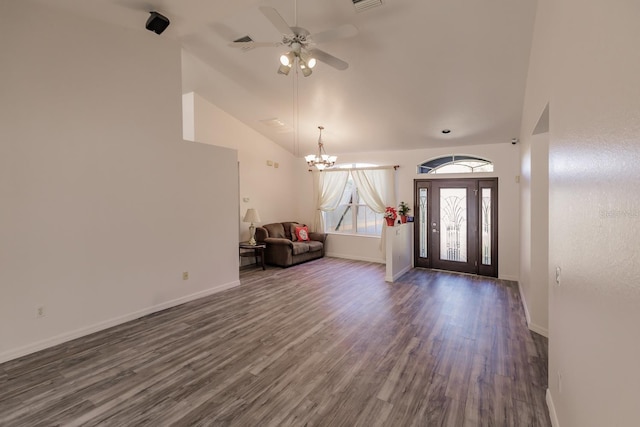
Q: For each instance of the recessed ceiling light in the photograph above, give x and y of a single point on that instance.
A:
(446, 130)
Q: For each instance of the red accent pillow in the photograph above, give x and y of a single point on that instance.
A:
(302, 233)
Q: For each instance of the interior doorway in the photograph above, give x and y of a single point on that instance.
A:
(456, 225)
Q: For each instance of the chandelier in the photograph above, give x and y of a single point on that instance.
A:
(321, 160)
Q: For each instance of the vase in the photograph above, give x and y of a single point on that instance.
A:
(403, 218)
(389, 222)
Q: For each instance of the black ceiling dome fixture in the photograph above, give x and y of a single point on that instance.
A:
(157, 22)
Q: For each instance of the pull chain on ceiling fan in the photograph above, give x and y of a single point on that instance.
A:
(301, 43)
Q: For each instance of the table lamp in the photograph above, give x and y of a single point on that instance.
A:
(251, 216)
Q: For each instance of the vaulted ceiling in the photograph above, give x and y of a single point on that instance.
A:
(416, 67)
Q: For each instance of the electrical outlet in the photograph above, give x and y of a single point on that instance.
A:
(185, 275)
(40, 311)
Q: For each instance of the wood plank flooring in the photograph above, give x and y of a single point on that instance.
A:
(325, 343)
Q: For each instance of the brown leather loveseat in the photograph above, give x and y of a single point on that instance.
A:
(283, 247)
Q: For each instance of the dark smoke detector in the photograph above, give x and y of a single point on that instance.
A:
(157, 23)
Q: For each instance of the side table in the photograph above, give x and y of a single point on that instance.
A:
(255, 251)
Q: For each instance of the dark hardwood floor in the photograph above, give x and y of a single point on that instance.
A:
(325, 343)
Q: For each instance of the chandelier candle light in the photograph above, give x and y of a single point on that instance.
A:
(252, 216)
(321, 160)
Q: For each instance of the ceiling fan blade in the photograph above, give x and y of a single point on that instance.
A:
(276, 20)
(329, 59)
(249, 45)
(341, 32)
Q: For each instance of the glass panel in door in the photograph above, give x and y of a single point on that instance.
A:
(453, 224)
(485, 221)
(423, 221)
(488, 263)
(422, 230)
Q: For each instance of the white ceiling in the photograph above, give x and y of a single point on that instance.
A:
(416, 67)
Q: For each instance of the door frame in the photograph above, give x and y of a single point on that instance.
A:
(474, 265)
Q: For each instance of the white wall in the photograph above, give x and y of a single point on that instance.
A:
(536, 295)
(361, 248)
(270, 190)
(103, 205)
(534, 182)
(399, 251)
(505, 158)
(594, 182)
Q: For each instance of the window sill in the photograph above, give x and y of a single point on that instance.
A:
(368, 236)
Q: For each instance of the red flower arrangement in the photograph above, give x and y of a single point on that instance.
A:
(390, 213)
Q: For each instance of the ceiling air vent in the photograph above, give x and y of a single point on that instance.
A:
(278, 125)
(243, 40)
(362, 5)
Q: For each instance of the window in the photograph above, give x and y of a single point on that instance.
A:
(456, 164)
(353, 216)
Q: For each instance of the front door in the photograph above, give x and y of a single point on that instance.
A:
(456, 225)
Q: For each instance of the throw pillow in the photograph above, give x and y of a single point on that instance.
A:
(302, 233)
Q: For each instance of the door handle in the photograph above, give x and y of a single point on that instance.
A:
(435, 231)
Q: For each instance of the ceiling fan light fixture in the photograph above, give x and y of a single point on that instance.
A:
(309, 60)
(304, 67)
(284, 69)
(300, 42)
(287, 58)
(296, 47)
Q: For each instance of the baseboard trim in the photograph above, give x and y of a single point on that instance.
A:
(539, 330)
(552, 410)
(393, 278)
(524, 305)
(68, 336)
(532, 326)
(355, 258)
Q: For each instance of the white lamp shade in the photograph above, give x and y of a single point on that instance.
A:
(251, 216)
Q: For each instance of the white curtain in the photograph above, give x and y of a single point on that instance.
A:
(377, 188)
(329, 188)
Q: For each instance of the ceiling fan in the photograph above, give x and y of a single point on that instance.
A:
(301, 44)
